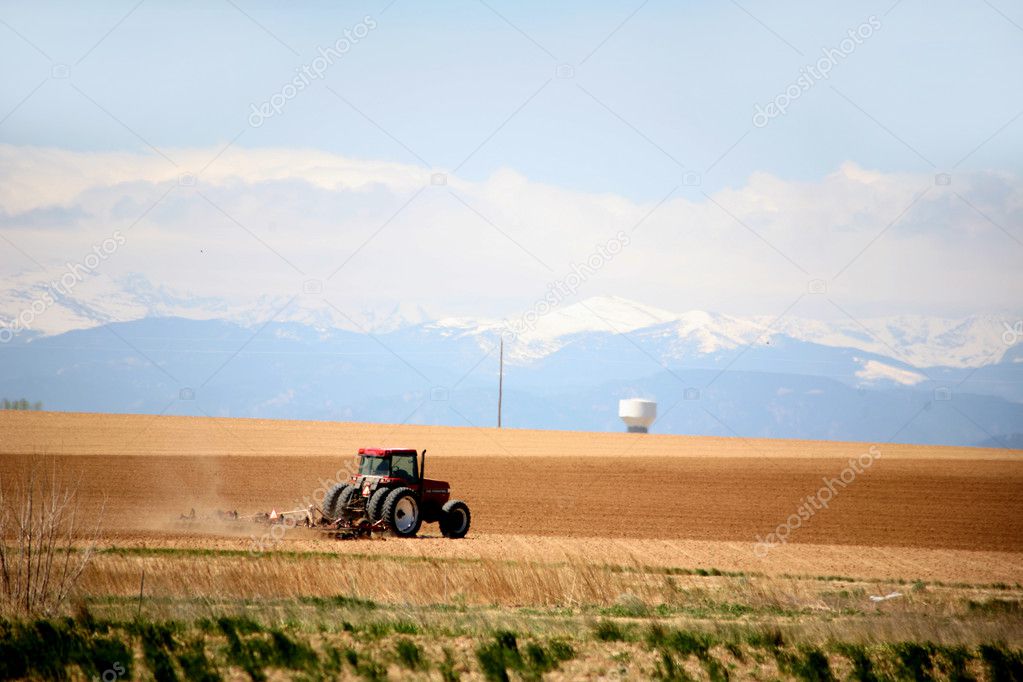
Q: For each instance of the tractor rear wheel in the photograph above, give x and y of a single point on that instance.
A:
(375, 504)
(455, 519)
(401, 512)
(344, 499)
(331, 498)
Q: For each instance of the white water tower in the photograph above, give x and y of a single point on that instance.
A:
(637, 414)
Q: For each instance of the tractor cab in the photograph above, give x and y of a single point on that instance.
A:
(387, 469)
(396, 465)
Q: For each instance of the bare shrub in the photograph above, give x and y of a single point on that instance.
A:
(44, 547)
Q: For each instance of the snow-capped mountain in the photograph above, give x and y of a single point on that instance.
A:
(63, 305)
(36, 304)
(541, 331)
(914, 340)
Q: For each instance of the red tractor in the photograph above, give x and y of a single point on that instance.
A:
(391, 493)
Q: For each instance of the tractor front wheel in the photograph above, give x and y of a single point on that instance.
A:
(455, 519)
(401, 512)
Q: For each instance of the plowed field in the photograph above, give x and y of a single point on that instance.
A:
(143, 472)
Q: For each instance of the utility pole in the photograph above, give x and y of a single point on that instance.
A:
(500, 383)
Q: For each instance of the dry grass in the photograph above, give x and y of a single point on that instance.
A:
(811, 609)
(39, 524)
(338, 616)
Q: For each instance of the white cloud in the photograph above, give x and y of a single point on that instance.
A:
(35, 177)
(280, 217)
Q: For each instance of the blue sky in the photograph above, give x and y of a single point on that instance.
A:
(441, 78)
(658, 96)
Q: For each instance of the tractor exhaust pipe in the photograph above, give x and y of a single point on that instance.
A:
(422, 465)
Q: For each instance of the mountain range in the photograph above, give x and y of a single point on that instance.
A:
(907, 378)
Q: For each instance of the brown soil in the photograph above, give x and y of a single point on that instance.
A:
(145, 471)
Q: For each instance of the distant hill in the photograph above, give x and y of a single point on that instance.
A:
(711, 374)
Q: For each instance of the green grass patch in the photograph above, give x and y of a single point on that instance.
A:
(501, 656)
(1012, 607)
(683, 642)
(913, 661)
(448, 668)
(668, 669)
(340, 601)
(609, 631)
(862, 666)
(195, 663)
(409, 655)
(807, 663)
(953, 662)
(764, 638)
(1002, 664)
(254, 651)
(157, 646)
(296, 639)
(382, 628)
(47, 648)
